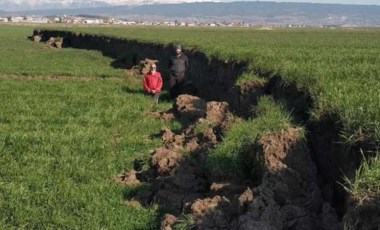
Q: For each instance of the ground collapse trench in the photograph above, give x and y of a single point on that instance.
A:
(296, 187)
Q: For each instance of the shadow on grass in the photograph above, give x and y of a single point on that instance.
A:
(132, 90)
(130, 192)
(164, 97)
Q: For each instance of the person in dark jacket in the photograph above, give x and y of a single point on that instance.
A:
(178, 64)
(153, 83)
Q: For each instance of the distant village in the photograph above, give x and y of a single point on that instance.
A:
(93, 20)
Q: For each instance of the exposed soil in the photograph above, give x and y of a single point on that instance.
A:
(288, 196)
(293, 178)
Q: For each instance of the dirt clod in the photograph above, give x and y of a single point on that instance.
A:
(190, 108)
(144, 66)
(165, 161)
(127, 178)
(167, 222)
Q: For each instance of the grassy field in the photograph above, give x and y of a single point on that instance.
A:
(19, 56)
(339, 68)
(63, 141)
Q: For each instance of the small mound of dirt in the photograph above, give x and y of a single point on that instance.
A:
(190, 108)
(144, 66)
(167, 222)
(53, 42)
(288, 196)
(127, 178)
(37, 38)
(209, 213)
(217, 112)
(139, 70)
(165, 161)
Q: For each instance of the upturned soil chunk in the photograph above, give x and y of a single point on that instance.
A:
(58, 44)
(165, 161)
(288, 197)
(37, 38)
(127, 178)
(217, 112)
(49, 42)
(190, 108)
(209, 214)
(144, 66)
(167, 222)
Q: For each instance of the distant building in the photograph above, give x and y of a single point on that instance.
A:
(16, 19)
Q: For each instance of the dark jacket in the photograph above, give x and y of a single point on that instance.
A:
(178, 65)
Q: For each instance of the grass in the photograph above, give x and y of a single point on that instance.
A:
(338, 68)
(227, 158)
(249, 77)
(365, 187)
(20, 56)
(61, 143)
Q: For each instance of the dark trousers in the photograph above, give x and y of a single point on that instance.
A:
(176, 83)
(176, 79)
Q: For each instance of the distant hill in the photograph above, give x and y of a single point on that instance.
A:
(4, 13)
(252, 12)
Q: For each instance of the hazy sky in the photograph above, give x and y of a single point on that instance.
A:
(361, 2)
(41, 2)
(367, 2)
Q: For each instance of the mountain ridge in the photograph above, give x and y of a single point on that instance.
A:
(75, 4)
(251, 12)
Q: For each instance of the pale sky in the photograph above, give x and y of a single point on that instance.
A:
(356, 2)
(37, 3)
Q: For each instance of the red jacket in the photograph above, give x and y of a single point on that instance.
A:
(153, 82)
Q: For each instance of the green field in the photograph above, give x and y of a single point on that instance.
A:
(62, 142)
(19, 56)
(340, 69)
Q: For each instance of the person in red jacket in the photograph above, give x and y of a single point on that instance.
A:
(153, 83)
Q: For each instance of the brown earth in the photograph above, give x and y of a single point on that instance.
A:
(288, 196)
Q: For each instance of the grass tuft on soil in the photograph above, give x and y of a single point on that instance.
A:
(365, 187)
(269, 117)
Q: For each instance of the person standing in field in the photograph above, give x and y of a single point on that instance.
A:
(178, 64)
(153, 82)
